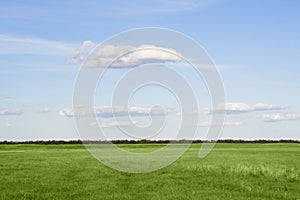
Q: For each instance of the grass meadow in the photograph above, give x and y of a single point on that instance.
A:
(231, 171)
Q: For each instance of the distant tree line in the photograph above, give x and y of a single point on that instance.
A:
(49, 142)
(43, 142)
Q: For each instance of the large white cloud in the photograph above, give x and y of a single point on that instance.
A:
(131, 56)
(236, 108)
(4, 111)
(276, 117)
(108, 111)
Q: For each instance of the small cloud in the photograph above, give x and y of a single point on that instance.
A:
(232, 108)
(9, 124)
(10, 112)
(131, 56)
(207, 124)
(277, 117)
(265, 107)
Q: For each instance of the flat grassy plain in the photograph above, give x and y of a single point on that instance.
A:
(231, 171)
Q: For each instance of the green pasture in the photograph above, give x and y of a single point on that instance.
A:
(230, 171)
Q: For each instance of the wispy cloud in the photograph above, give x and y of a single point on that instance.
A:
(49, 12)
(161, 7)
(238, 108)
(109, 112)
(277, 117)
(25, 45)
(4, 111)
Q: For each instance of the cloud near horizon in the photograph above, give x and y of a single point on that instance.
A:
(277, 117)
(5, 111)
(122, 56)
(238, 108)
(109, 112)
(207, 124)
(45, 110)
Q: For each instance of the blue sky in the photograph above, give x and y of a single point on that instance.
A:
(255, 44)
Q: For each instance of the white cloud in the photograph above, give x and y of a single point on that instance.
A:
(4, 111)
(131, 56)
(207, 124)
(24, 45)
(280, 117)
(109, 112)
(236, 108)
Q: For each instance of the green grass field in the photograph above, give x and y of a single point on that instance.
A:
(231, 171)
